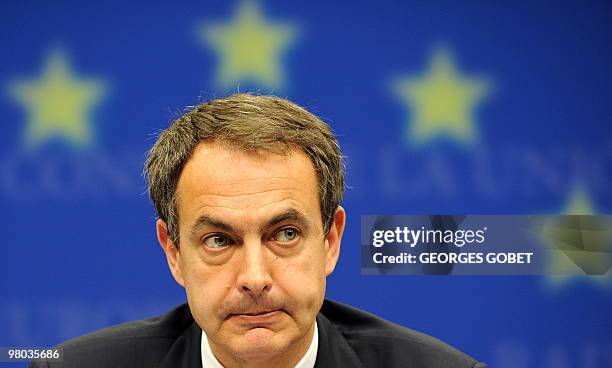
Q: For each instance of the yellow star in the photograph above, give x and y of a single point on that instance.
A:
(58, 104)
(579, 202)
(441, 102)
(561, 266)
(249, 49)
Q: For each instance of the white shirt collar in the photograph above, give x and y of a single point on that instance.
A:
(308, 360)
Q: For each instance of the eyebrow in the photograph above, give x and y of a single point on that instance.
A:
(290, 214)
(206, 220)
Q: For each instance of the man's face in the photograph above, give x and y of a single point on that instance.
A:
(253, 255)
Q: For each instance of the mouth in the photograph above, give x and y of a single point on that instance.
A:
(259, 318)
(258, 313)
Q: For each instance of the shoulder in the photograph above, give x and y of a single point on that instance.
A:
(138, 343)
(378, 342)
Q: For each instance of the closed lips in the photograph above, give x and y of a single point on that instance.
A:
(258, 313)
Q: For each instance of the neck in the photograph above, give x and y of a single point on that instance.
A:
(287, 358)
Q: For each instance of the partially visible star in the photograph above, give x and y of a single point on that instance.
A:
(58, 103)
(442, 102)
(249, 48)
(561, 266)
(579, 202)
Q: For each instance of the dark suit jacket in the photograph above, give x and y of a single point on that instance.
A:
(348, 337)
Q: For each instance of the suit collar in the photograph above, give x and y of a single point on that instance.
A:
(334, 350)
(186, 350)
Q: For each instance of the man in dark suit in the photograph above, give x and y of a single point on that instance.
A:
(247, 191)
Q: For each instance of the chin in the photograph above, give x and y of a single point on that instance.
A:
(260, 343)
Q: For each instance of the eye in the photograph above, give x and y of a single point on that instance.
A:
(286, 235)
(217, 241)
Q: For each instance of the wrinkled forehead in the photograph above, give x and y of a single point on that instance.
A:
(220, 162)
(224, 178)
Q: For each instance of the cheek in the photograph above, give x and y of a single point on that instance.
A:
(302, 278)
(202, 277)
(206, 287)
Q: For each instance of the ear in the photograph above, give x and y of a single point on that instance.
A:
(332, 241)
(172, 253)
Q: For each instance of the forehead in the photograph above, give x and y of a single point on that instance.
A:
(232, 182)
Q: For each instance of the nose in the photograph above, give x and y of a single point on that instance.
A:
(254, 278)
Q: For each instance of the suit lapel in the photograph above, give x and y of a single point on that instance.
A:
(186, 350)
(334, 351)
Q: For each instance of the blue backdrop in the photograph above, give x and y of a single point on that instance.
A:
(453, 107)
